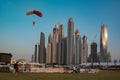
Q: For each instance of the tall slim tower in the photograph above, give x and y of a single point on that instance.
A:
(103, 43)
(61, 44)
(70, 42)
(64, 56)
(55, 45)
(42, 54)
(85, 50)
(109, 57)
(49, 54)
(32, 58)
(37, 46)
(50, 38)
(61, 32)
(77, 47)
(55, 33)
(49, 50)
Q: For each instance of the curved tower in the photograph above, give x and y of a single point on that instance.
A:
(103, 43)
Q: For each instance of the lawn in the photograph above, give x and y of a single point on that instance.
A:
(102, 75)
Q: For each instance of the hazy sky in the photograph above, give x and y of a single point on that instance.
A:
(18, 36)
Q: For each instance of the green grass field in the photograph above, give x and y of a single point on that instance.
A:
(102, 75)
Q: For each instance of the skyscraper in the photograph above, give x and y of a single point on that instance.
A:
(37, 46)
(49, 54)
(64, 56)
(109, 57)
(94, 55)
(70, 42)
(85, 50)
(77, 47)
(55, 34)
(55, 45)
(61, 32)
(42, 54)
(103, 43)
(61, 44)
(32, 58)
(49, 49)
(50, 38)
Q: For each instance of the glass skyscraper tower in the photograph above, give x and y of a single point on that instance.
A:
(103, 43)
(70, 42)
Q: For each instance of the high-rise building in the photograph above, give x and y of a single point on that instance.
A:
(55, 45)
(42, 54)
(85, 50)
(37, 47)
(50, 38)
(77, 47)
(109, 57)
(70, 42)
(49, 54)
(103, 43)
(32, 58)
(64, 50)
(49, 49)
(93, 55)
(61, 32)
(55, 34)
(61, 44)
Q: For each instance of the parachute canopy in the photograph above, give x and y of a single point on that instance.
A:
(38, 13)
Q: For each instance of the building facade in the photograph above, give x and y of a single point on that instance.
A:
(32, 58)
(36, 55)
(55, 34)
(84, 50)
(103, 43)
(93, 56)
(64, 48)
(109, 57)
(50, 38)
(49, 49)
(5, 58)
(55, 45)
(77, 47)
(42, 53)
(70, 42)
(61, 44)
(49, 54)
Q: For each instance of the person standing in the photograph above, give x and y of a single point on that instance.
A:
(16, 67)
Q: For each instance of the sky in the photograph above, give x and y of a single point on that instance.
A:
(18, 35)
